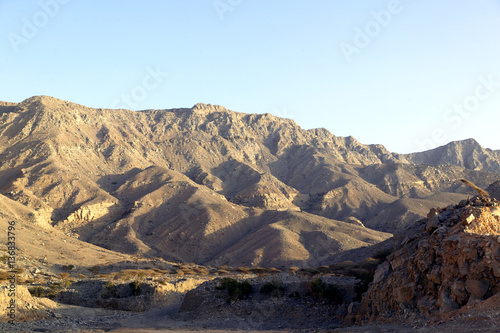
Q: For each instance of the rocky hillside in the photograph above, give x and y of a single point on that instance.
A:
(210, 185)
(467, 153)
(452, 262)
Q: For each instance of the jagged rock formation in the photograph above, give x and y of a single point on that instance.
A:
(467, 153)
(453, 261)
(210, 185)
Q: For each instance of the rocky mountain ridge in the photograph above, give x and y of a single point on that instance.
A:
(466, 153)
(210, 185)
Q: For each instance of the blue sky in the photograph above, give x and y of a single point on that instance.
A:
(410, 75)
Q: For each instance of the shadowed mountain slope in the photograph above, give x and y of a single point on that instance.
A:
(210, 185)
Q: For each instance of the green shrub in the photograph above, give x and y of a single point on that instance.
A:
(274, 289)
(246, 289)
(235, 289)
(317, 286)
(110, 290)
(327, 291)
(333, 294)
(136, 287)
(39, 291)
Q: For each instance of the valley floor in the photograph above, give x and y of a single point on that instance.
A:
(483, 317)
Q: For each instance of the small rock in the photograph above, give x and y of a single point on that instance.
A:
(452, 239)
(382, 272)
(469, 219)
(432, 224)
(405, 292)
(478, 288)
(445, 303)
(432, 213)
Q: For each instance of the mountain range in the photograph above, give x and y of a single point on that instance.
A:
(212, 186)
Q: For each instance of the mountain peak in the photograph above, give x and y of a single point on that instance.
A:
(208, 108)
(466, 153)
(42, 99)
(464, 143)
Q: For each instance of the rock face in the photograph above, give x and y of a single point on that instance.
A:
(210, 185)
(467, 153)
(452, 262)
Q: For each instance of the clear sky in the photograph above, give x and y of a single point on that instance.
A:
(410, 75)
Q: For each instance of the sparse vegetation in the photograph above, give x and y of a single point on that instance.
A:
(273, 289)
(322, 290)
(136, 287)
(236, 290)
(110, 290)
(51, 292)
(244, 270)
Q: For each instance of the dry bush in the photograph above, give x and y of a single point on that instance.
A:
(103, 276)
(187, 271)
(39, 280)
(68, 267)
(273, 270)
(293, 269)
(324, 269)
(201, 271)
(162, 281)
(82, 276)
(243, 270)
(260, 271)
(161, 271)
